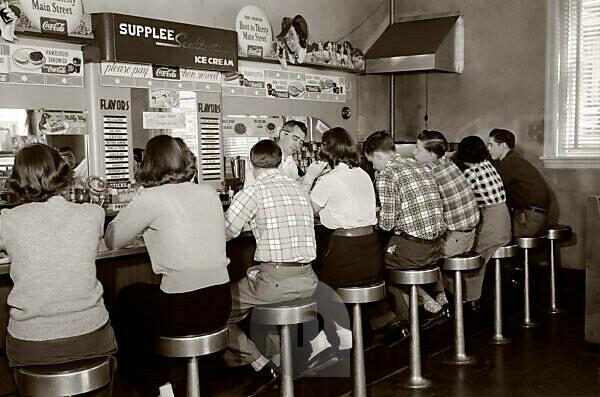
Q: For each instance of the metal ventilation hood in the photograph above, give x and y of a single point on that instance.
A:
(435, 44)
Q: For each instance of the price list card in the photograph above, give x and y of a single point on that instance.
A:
(116, 150)
(210, 147)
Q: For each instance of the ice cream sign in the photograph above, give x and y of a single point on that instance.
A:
(131, 39)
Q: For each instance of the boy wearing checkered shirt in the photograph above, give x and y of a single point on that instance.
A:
(281, 218)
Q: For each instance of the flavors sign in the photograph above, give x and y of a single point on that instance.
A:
(126, 38)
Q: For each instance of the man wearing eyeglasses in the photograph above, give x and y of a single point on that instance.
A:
(291, 138)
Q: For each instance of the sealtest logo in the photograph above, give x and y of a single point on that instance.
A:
(53, 25)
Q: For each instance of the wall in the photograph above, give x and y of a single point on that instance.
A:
(502, 86)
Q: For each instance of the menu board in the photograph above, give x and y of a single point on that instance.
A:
(116, 150)
(32, 64)
(210, 145)
(241, 132)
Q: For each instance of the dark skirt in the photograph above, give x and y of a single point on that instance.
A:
(145, 312)
(342, 262)
(348, 261)
(98, 343)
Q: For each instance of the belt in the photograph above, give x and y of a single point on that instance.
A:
(286, 264)
(464, 231)
(537, 209)
(415, 239)
(354, 232)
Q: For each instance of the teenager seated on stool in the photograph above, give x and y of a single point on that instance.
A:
(527, 194)
(281, 218)
(184, 231)
(57, 314)
(461, 212)
(412, 208)
(493, 230)
(349, 250)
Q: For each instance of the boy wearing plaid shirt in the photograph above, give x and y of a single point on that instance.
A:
(461, 212)
(281, 217)
(411, 207)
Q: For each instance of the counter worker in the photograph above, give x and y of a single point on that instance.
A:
(527, 194)
(461, 212)
(291, 137)
(411, 206)
(281, 218)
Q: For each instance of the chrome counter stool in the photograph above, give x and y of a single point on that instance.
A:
(555, 233)
(527, 243)
(285, 314)
(192, 347)
(67, 379)
(356, 296)
(413, 278)
(457, 264)
(508, 251)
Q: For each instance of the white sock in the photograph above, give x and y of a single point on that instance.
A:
(259, 363)
(319, 344)
(276, 359)
(345, 336)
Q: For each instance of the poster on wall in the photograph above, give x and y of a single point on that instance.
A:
(32, 64)
(162, 120)
(61, 122)
(255, 35)
(284, 84)
(162, 98)
(241, 132)
(56, 17)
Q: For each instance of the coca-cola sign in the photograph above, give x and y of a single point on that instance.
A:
(165, 72)
(54, 26)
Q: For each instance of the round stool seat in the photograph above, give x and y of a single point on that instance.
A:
(363, 294)
(414, 277)
(529, 242)
(64, 379)
(192, 345)
(466, 261)
(508, 251)
(559, 232)
(283, 313)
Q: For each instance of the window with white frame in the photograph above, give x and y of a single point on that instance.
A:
(572, 122)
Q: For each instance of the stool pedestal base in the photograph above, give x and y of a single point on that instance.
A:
(499, 340)
(460, 360)
(555, 310)
(415, 383)
(529, 324)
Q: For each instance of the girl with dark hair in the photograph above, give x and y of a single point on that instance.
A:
(347, 247)
(493, 230)
(57, 313)
(184, 231)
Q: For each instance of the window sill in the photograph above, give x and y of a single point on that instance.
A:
(571, 163)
